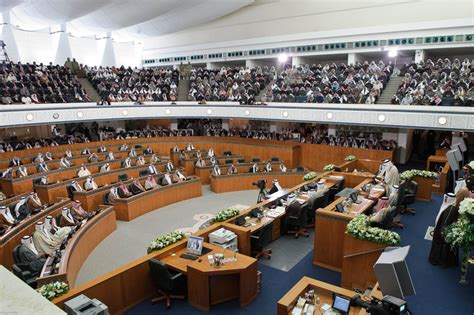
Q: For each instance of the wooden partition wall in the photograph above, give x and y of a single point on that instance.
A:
(316, 156)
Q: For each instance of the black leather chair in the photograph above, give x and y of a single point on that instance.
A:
(229, 161)
(105, 198)
(143, 173)
(392, 219)
(122, 177)
(260, 241)
(275, 159)
(335, 189)
(227, 153)
(256, 160)
(299, 168)
(409, 198)
(170, 285)
(297, 219)
(241, 160)
(313, 205)
(23, 271)
(70, 191)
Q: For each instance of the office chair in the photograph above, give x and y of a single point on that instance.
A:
(137, 146)
(36, 181)
(393, 219)
(313, 205)
(105, 198)
(256, 160)
(297, 218)
(23, 271)
(335, 189)
(143, 173)
(229, 161)
(167, 282)
(69, 192)
(260, 241)
(122, 177)
(300, 169)
(241, 160)
(227, 153)
(410, 193)
(275, 159)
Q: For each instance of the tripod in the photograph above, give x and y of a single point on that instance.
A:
(261, 195)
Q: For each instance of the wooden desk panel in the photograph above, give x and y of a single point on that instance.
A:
(322, 289)
(189, 164)
(12, 237)
(135, 206)
(51, 192)
(204, 173)
(425, 188)
(243, 181)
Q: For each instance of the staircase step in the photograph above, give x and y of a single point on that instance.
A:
(90, 90)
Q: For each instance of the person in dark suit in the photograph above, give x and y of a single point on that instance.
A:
(136, 187)
(15, 161)
(441, 252)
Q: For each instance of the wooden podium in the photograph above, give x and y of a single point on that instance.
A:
(358, 262)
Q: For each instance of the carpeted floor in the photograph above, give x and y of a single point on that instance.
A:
(438, 290)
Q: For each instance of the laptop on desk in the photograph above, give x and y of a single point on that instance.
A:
(194, 248)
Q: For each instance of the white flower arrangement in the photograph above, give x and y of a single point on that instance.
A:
(467, 206)
(165, 241)
(350, 158)
(408, 175)
(329, 167)
(223, 215)
(53, 290)
(359, 227)
(310, 175)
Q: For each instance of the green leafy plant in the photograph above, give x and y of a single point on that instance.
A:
(226, 214)
(408, 175)
(310, 175)
(359, 227)
(53, 290)
(349, 158)
(329, 167)
(165, 241)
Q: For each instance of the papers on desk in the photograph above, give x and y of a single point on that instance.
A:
(298, 309)
(274, 213)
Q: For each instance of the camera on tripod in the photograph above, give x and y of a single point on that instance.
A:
(262, 184)
(389, 305)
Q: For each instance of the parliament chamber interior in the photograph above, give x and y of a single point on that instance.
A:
(237, 157)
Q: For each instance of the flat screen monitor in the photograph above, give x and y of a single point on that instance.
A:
(340, 208)
(341, 304)
(194, 245)
(353, 196)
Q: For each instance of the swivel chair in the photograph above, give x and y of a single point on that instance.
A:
(297, 219)
(409, 198)
(241, 160)
(105, 198)
(260, 241)
(335, 189)
(170, 285)
(275, 159)
(300, 169)
(23, 271)
(313, 205)
(122, 177)
(256, 160)
(143, 173)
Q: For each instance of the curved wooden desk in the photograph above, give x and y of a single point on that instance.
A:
(189, 163)
(49, 193)
(129, 208)
(13, 199)
(204, 173)
(13, 236)
(91, 199)
(12, 186)
(243, 181)
(80, 246)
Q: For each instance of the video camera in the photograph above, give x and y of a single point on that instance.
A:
(389, 305)
(262, 184)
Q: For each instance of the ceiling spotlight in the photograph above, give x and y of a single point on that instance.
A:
(80, 114)
(209, 111)
(168, 111)
(29, 117)
(393, 53)
(283, 58)
(329, 115)
(381, 117)
(442, 120)
(247, 112)
(285, 114)
(125, 112)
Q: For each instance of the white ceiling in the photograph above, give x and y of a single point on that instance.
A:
(125, 18)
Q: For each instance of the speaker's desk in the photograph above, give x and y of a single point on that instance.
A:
(208, 285)
(189, 163)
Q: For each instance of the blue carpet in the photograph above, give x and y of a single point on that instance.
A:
(438, 290)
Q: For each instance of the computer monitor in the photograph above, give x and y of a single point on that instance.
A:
(240, 221)
(194, 245)
(341, 304)
(340, 208)
(354, 196)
